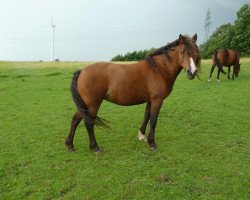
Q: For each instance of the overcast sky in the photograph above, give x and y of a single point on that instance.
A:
(97, 30)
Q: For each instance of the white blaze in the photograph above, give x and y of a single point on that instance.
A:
(193, 68)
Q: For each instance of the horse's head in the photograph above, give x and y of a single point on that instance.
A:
(237, 70)
(189, 55)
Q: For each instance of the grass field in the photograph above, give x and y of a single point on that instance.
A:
(202, 136)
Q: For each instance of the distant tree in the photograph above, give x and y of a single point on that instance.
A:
(117, 58)
(218, 40)
(229, 36)
(241, 31)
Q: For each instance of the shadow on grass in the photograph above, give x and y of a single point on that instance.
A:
(53, 74)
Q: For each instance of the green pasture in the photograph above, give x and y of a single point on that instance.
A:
(202, 135)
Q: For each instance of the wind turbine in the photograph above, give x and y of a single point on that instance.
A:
(53, 40)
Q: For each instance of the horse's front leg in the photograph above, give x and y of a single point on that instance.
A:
(233, 73)
(141, 132)
(154, 111)
(211, 72)
(228, 75)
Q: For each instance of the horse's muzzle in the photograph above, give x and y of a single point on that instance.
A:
(191, 75)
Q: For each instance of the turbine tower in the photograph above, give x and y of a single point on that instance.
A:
(53, 40)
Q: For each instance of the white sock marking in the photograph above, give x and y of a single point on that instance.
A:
(141, 136)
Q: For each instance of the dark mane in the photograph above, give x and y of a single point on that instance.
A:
(189, 45)
(164, 49)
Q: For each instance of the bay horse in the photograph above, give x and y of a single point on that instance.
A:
(225, 58)
(148, 81)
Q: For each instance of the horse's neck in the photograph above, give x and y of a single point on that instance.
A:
(169, 67)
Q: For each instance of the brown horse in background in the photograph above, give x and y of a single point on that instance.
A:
(148, 81)
(225, 58)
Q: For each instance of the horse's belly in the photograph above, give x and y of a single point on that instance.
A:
(125, 99)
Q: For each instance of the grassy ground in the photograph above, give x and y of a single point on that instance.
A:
(202, 136)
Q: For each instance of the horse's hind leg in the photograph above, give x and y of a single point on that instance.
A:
(90, 128)
(75, 121)
(218, 76)
(211, 72)
(92, 140)
(141, 133)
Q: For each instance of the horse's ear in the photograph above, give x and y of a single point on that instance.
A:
(194, 37)
(181, 38)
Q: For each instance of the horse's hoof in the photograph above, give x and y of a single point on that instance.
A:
(141, 136)
(153, 148)
(218, 80)
(98, 152)
(71, 149)
(96, 149)
(209, 80)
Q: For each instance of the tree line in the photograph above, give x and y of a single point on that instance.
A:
(228, 36)
(133, 56)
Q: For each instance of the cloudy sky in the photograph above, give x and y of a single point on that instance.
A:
(97, 30)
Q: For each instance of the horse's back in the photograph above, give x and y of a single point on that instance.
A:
(233, 57)
(227, 57)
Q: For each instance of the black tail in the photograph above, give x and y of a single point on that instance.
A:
(81, 106)
(217, 62)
